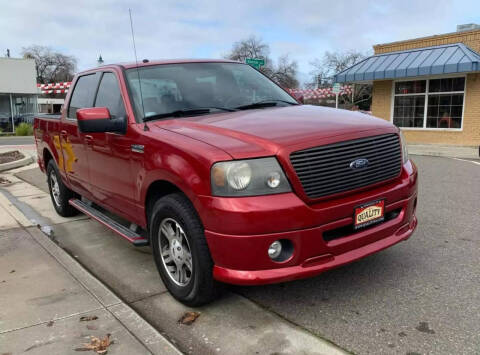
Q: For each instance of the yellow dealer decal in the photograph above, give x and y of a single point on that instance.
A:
(368, 214)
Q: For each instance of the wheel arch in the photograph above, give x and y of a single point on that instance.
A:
(47, 156)
(157, 189)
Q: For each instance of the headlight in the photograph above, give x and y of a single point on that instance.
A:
(250, 177)
(404, 147)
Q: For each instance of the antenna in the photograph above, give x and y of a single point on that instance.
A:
(145, 127)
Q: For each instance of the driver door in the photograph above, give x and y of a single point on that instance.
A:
(109, 153)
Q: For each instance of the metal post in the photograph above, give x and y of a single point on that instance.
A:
(11, 112)
(353, 93)
(336, 100)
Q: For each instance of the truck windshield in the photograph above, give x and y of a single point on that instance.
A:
(212, 87)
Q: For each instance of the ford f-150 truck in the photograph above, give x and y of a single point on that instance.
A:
(225, 175)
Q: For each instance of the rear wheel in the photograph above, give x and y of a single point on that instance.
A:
(181, 251)
(59, 193)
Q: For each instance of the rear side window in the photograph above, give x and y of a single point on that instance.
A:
(83, 94)
(109, 96)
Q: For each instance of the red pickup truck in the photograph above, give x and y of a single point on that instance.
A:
(224, 174)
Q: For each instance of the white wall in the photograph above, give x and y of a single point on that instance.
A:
(18, 76)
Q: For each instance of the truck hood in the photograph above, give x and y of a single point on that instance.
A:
(264, 132)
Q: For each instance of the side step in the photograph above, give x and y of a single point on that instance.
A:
(134, 238)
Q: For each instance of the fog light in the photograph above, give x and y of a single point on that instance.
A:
(275, 249)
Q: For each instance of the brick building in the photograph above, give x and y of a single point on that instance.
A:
(430, 86)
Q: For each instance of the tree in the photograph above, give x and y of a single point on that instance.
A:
(331, 64)
(51, 66)
(335, 62)
(252, 47)
(284, 73)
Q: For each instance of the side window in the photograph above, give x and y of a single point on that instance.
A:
(109, 96)
(83, 94)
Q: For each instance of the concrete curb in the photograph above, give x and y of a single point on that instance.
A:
(436, 150)
(132, 321)
(17, 163)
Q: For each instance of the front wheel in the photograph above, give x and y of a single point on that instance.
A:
(59, 193)
(181, 251)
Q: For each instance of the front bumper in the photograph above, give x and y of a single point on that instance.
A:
(245, 227)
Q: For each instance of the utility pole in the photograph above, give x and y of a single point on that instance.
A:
(8, 53)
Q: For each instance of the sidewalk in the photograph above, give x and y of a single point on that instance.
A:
(448, 151)
(44, 293)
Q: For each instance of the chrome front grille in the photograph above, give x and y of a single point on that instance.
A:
(326, 170)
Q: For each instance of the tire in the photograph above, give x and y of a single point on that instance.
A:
(196, 287)
(59, 193)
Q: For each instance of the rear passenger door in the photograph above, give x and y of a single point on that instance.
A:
(109, 153)
(71, 139)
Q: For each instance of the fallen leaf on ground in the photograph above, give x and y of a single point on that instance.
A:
(4, 181)
(49, 324)
(88, 318)
(189, 317)
(12, 271)
(100, 345)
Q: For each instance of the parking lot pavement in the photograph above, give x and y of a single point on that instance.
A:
(420, 296)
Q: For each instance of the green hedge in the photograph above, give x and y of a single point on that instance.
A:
(24, 129)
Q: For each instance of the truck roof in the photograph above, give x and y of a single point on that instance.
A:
(141, 63)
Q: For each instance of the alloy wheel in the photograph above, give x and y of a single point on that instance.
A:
(175, 252)
(55, 187)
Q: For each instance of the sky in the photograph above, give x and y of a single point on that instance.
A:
(303, 29)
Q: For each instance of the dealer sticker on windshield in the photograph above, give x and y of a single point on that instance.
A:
(369, 213)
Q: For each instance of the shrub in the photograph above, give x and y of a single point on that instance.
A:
(24, 129)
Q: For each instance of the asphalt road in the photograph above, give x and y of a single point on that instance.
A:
(12, 140)
(419, 297)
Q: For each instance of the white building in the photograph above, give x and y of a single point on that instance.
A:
(18, 92)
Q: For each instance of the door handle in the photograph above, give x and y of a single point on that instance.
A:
(88, 139)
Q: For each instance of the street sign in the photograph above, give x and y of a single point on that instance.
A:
(336, 88)
(255, 62)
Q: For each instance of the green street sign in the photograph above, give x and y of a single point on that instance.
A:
(336, 88)
(255, 62)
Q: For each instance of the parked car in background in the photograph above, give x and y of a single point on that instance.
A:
(224, 174)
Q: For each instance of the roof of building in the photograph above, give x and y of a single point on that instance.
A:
(442, 36)
(445, 59)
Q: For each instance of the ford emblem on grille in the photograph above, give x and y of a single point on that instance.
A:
(359, 163)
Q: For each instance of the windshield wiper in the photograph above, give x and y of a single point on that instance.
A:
(264, 103)
(186, 112)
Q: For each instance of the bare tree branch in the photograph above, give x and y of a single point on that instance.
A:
(333, 63)
(51, 66)
(284, 73)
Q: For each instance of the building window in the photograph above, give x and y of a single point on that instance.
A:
(431, 103)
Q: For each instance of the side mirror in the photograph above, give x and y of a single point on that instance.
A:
(98, 119)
